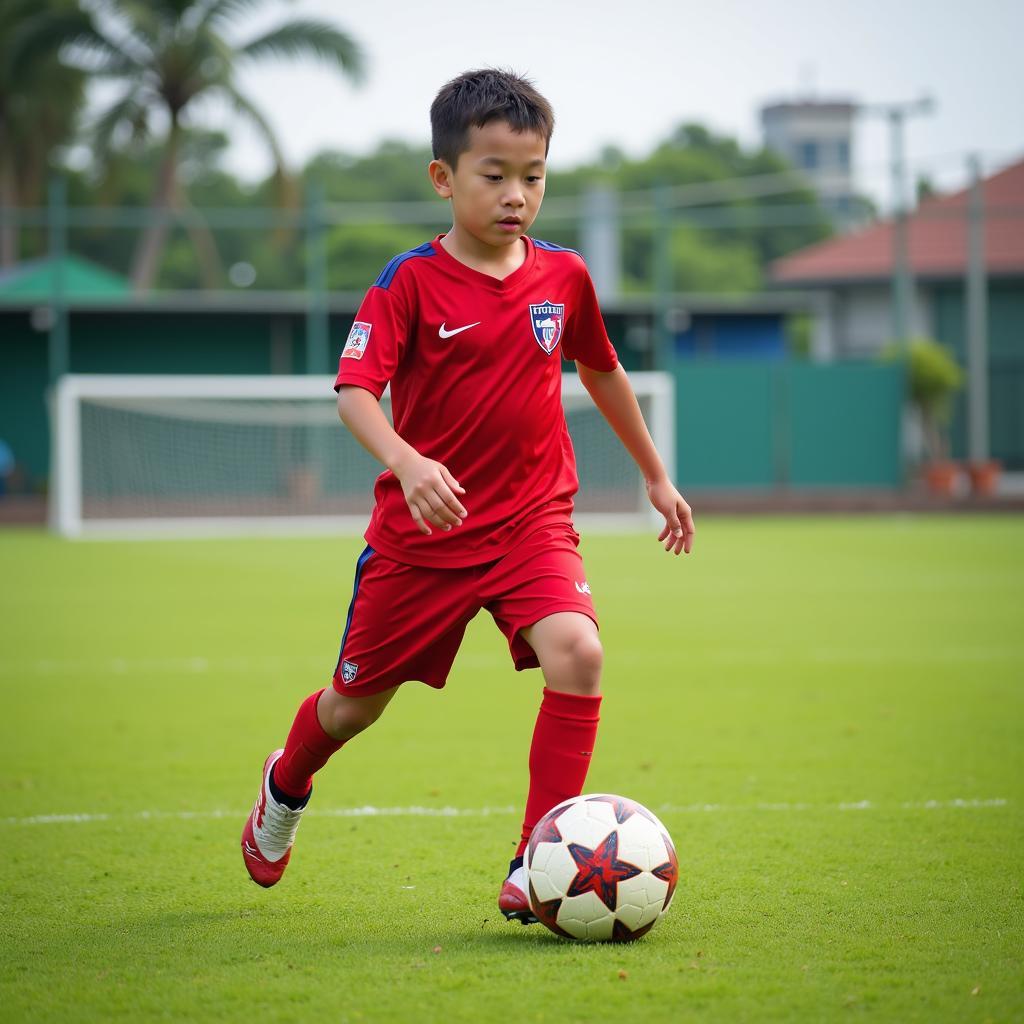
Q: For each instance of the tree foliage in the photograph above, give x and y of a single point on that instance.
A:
(727, 256)
(168, 57)
(40, 100)
(730, 210)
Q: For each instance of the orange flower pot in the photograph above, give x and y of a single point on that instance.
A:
(984, 477)
(942, 478)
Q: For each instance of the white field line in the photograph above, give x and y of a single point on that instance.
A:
(270, 664)
(484, 812)
(938, 655)
(193, 665)
(199, 665)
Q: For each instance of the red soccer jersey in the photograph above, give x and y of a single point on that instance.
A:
(475, 378)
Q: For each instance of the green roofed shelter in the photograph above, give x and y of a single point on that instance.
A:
(37, 279)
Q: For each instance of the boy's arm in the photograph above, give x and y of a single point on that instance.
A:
(614, 398)
(428, 486)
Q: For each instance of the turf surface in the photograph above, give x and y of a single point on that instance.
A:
(827, 714)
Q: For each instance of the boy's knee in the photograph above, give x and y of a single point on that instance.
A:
(580, 670)
(345, 717)
(587, 653)
(569, 651)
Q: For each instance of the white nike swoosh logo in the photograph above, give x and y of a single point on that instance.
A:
(442, 333)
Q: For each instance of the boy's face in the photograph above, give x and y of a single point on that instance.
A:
(497, 185)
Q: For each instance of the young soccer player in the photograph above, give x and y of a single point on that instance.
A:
(475, 508)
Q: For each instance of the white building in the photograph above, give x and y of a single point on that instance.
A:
(817, 137)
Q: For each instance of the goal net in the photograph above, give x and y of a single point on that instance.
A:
(235, 455)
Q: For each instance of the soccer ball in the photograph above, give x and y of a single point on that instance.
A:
(600, 867)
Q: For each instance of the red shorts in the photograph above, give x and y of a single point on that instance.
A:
(406, 622)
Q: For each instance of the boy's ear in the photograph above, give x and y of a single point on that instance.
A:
(441, 178)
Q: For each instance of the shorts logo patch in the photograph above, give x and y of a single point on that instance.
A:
(546, 319)
(349, 670)
(584, 587)
(358, 339)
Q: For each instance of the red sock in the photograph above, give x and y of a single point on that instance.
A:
(306, 751)
(563, 741)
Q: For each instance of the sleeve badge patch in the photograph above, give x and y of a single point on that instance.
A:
(358, 339)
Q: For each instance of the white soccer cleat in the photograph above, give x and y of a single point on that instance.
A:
(513, 902)
(269, 833)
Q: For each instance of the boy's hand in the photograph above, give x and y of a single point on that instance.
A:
(430, 491)
(678, 532)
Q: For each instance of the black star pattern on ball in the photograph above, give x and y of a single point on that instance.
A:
(623, 808)
(668, 872)
(600, 871)
(545, 831)
(547, 913)
(623, 933)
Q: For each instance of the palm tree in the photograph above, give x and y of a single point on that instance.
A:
(39, 102)
(169, 55)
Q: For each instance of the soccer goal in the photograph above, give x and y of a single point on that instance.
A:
(179, 455)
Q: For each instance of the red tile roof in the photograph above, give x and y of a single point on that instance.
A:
(938, 240)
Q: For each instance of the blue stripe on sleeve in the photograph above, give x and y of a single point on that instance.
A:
(551, 247)
(387, 275)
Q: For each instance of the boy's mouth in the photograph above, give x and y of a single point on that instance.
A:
(511, 220)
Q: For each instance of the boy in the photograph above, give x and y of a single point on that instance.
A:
(474, 510)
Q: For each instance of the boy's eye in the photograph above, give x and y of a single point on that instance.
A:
(533, 179)
(493, 177)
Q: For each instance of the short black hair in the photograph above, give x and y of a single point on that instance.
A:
(478, 97)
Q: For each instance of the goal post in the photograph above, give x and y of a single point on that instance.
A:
(163, 455)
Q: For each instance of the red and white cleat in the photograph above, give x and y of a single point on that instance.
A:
(269, 833)
(513, 902)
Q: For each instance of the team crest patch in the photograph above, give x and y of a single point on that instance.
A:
(546, 319)
(358, 339)
(349, 670)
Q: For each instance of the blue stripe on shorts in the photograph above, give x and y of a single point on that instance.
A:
(363, 559)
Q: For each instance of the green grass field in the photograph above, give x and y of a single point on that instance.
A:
(826, 713)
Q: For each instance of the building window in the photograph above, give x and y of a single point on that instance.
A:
(807, 155)
(843, 154)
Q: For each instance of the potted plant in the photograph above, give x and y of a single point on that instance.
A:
(984, 476)
(933, 379)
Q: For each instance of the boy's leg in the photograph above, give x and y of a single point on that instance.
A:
(571, 658)
(397, 629)
(325, 721)
(542, 603)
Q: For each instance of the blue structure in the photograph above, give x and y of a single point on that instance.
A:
(733, 336)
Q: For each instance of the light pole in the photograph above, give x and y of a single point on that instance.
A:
(977, 321)
(902, 291)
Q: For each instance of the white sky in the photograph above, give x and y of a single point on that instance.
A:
(628, 71)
